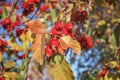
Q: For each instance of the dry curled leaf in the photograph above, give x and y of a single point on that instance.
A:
(68, 42)
(0, 56)
(36, 26)
(38, 48)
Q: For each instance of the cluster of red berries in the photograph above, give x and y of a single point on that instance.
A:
(8, 25)
(85, 41)
(78, 16)
(61, 29)
(56, 32)
(44, 8)
(28, 6)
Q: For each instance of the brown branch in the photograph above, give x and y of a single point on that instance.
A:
(13, 7)
(116, 51)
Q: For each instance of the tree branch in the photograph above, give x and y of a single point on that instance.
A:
(13, 7)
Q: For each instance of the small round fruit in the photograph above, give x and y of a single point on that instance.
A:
(48, 51)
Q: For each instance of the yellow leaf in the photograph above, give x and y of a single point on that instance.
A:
(11, 75)
(28, 35)
(38, 48)
(68, 42)
(0, 56)
(36, 26)
(64, 41)
(75, 46)
(13, 45)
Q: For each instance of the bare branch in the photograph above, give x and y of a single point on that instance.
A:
(13, 7)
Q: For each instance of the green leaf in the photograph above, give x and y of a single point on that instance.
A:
(4, 14)
(112, 41)
(19, 77)
(53, 14)
(24, 68)
(60, 71)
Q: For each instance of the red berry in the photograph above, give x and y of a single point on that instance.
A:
(30, 2)
(35, 1)
(1, 11)
(97, 41)
(118, 67)
(7, 21)
(19, 32)
(58, 25)
(90, 44)
(41, 8)
(24, 5)
(54, 5)
(48, 51)
(46, 7)
(84, 14)
(103, 72)
(53, 31)
(2, 78)
(53, 42)
(17, 22)
(88, 38)
(68, 26)
(63, 32)
(1, 42)
(5, 43)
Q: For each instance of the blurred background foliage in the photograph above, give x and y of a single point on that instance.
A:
(102, 24)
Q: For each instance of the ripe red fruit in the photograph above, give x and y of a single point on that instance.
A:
(7, 21)
(2, 78)
(19, 32)
(53, 42)
(58, 25)
(63, 32)
(30, 2)
(84, 14)
(17, 22)
(103, 72)
(1, 11)
(24, 5)
(88, 38)
(41, 8)
(35, 1)
(5, 43)
(53, 31)
(68, 26)
(48, 51)
(46, 7)
(118, 67)
(1, 42)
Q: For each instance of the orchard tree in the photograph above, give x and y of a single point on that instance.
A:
(36, 36)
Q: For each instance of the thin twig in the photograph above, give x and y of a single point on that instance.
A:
(13, 7)
(116, 51)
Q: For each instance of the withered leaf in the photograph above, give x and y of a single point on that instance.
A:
(68, 42)
(38, 48)
(36, 26)
(0, 56)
